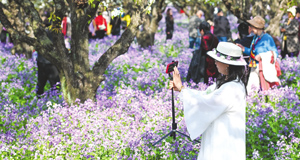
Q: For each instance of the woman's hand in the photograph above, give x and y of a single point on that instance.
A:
(241, 46)
(176, 83)
(171, 85)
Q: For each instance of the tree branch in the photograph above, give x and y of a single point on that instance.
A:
(14, 33)
(44, 46)
(91, 11)
(122, 44)
(236, 11)
(58, 38)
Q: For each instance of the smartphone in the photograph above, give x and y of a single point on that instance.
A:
(170, 66)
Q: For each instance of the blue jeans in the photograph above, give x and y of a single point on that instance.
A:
(194, 41)
(222, 39)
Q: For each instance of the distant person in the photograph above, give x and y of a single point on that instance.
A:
(106, 15)
(169, 24)
(194, 33)
(203, 66)
(46, 70)
(290, 28)
(260, 45)
(298, 18)
(100, 26)
(221, 26)
(126, 19)
(245, 35)
(211, 23)
(66, 26)
(92, 34)
(116, 26)
(5, 36)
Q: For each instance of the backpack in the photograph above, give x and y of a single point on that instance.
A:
(123, 24)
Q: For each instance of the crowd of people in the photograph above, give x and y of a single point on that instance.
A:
(246, 64)
(205, 36)
(260, 49)
(103, 25)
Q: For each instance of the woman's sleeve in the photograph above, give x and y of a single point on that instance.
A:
(247, 51)
(202, 108)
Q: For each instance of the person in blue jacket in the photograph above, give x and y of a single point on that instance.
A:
(261, 43)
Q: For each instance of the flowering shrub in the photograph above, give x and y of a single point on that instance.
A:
(132, 110)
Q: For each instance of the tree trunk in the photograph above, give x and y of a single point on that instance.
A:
(237, 11)
(274, 26)
(77, 79)
(17, 19)
(260, 8)
(146, 37)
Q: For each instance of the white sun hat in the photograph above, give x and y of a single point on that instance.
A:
(228, 53)
(292, 10)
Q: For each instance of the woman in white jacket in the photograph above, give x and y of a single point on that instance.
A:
(218, 113)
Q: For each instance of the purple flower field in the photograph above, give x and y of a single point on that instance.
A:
(133, 109)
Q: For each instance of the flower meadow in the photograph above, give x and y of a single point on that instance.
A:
(133, 109)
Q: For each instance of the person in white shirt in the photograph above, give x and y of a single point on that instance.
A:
(218, 113)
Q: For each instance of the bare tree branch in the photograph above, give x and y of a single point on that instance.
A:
(91, 11)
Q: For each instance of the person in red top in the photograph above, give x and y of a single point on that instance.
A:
(64, 26)
(100, 26)
(203, 66)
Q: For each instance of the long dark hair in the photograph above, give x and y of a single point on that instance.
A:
(234, 72)
(169, 15)
(205, 26)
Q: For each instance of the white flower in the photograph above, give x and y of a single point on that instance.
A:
(49, 104)
(222, 57)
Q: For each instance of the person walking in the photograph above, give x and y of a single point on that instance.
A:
(218, 113)
(194, 33)
(261, 43)
(221, 26)
(169, 24)
(290, 28)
